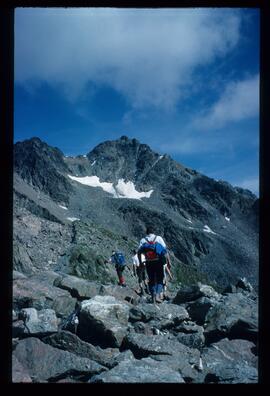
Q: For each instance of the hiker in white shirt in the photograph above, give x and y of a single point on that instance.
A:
(140, 271)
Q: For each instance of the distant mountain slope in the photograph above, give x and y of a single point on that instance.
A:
(210, 227)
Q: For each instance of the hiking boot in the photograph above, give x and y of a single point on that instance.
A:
(123, 285)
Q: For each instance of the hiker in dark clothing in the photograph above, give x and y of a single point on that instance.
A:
(118, 259)
(154, 262)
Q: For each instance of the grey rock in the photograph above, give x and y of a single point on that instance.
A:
(142, 328)
(19, 373)
(139, 371)
(120, 293)
(190, 334)
(244, 284)
(49, 277)
(44, 362)
(29, 293)
(193, 292)
(18, 275)
(39, 323)
(230, 361)
(198, 309)
(165, 316)
(126, 356)
(165, 349)
(72, 343)
(103, 320)
(79, 288)
(235, 316)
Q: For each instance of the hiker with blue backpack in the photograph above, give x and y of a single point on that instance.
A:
(154, 249)
(118, 259)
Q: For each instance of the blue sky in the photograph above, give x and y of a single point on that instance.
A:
(184, 81)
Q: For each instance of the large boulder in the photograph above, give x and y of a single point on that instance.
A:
(72, 343)
(230, 361)
(103, 320)
(39, 323)
(167, 349)
(30, 293)
(139, 371)
(193, 292)
(165, 316)
(45, 363)
(198, 309)
(235, 316)
(80, 288)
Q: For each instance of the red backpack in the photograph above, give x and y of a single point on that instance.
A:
(153, 250)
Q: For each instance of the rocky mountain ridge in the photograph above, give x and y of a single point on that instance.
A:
(210, 227)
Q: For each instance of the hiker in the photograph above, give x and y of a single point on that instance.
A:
(154, 249)
(140, 271)
(118, 259)
(166, 270)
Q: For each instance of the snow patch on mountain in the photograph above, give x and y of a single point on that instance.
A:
(227, 218)
(63, 207)
(73, 218)
(206, 228)
(121, 190)
(128, 190)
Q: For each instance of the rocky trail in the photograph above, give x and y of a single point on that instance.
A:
(197, 336)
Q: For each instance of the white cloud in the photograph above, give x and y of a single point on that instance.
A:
(239, 101)
(147, 55)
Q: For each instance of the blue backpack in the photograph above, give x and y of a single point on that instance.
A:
(119, 259)
(153, 250)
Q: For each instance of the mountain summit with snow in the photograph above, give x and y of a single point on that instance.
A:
(210, 227)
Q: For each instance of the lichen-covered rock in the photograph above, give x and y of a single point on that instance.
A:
(103, 320)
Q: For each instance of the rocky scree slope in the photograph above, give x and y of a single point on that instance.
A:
(198, 336)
